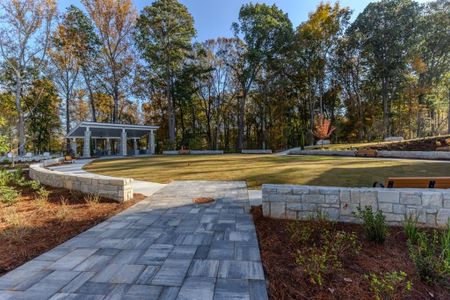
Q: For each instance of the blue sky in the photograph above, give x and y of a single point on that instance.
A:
(213, 18)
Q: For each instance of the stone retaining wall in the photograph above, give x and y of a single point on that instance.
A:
(118, 189)
(382, 153)
(256, 151)
(299, 202)
(194, 152)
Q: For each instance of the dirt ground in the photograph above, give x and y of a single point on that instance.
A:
(287, 280)
(31, 226)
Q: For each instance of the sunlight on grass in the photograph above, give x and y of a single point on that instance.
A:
(259, 169)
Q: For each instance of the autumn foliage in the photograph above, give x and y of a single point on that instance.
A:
(323, 128)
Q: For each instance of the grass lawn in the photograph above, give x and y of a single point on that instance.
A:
(259, 169)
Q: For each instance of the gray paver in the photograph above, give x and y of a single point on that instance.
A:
(165, 247)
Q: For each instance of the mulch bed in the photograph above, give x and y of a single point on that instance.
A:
(30, 227)
(287, 281)
(426, 144)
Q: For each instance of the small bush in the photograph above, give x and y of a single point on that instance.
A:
(410, 227)
(34, 185)
(63, 210)
(8, 195)
(4, 177)
(374, 225)
(17, 178)
(326, 257)
(445, 245)
(429, 258)
(43, 194)
(299, 234)
(388, 284)
(92, 199)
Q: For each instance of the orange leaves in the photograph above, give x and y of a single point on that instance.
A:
(323, 128)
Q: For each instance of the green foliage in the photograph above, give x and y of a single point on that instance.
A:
(430, 257)
(8, 195)
(410, 227)
(43, 193)
(387, 285)
(321, 247)
(374, 225)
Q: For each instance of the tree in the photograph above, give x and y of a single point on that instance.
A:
(266, 31)
(24, 39)
(43, 105)
(387, 30)
(86, 45)
(164, 31)
(64, 64)
(114, 21)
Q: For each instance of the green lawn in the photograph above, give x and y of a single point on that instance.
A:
(259, 169)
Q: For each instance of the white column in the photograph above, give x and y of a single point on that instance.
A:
(151, 143)
(87, 143)
(108, 146)
(123, 143)
(135, 147)
(73, 146)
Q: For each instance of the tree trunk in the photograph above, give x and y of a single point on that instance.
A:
(241, 121)
(171, 114)
(67, 121)
(21, 123)
(448, 113)
(91, 96)
(387, 130)
(116, 103)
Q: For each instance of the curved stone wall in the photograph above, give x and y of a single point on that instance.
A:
(432, 207)
(118, 189)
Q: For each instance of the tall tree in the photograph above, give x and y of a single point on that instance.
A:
(266, 31)
(114, 21)
(86, 45)
(163, 36)
(387, 30)
(64, 66)
(24, 38)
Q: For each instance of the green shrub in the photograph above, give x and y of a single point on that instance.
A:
(429, 257)
(43, 194)
(410, 227)
(388, 284)
(17, 178)
(34, 185)
(374, 225)
(326, 256)
(8, 195)
(445, 245)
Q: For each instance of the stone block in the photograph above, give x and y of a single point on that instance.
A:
(446, 203)
(330, 191)
(388, 197)
(344, 195)
(300, 191)
(291, 215)
(369, 199)
(266, 208)
(332, 199)
(431, 219)
(278, 209)
(394, 217)
(431, 200)
(347, 209)
(277, 198)
(416, 212)
(355, 196)
(331, 213)
(314, 198)
(284, 190)
(294, 206)
(443, 216)
(399, 209)
(410, 198)
(386, 207)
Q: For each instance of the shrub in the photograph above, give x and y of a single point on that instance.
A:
(325, 258)
(17, 178)
(43, 193)
(4, 177)
(374, 225)
(431, 263)
(410, 227)
(34, 185)
(299, 234)
(388, 284)
(8, 195)
(92, 199)
(445, 245)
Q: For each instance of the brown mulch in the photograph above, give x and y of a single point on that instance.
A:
(426, 144)
(30, 227)
(287, 281)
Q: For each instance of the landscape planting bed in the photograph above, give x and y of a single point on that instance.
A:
(287, 280)
(32, 226)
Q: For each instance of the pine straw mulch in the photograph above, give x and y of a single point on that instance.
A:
(287, 281)
(30, 227)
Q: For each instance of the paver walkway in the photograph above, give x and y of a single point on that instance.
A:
(164, 247)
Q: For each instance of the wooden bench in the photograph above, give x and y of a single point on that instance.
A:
(418, 182)
(366, 153)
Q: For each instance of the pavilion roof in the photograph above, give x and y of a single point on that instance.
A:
(110, 130)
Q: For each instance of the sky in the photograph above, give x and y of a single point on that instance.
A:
(213, 18)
